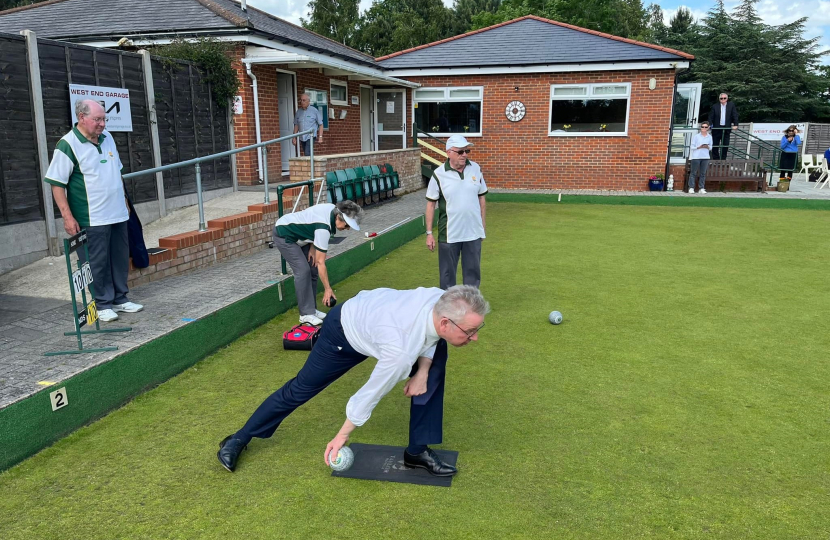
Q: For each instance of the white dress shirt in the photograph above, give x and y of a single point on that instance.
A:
(395, 327)
(723, 115)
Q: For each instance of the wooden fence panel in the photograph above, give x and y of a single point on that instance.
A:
(190, 123)
(21, 198)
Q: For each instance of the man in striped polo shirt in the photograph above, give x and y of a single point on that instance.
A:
(85, 174)
(457, 187)
(303, 239)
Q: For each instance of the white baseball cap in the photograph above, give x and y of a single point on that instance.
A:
(350, 221)
(458, 141)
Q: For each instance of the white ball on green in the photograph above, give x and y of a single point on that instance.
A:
(344, 459)
(555, 317)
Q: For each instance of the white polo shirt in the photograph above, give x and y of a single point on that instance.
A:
(315, 224)
(91, 174)
(459, 211)
(396, 328)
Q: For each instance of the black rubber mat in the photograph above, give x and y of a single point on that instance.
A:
(385, 463)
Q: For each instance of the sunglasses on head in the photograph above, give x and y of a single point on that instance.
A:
(462, 151)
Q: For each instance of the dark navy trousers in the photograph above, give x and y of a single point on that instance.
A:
(331, 358)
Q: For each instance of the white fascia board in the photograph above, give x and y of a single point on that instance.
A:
(288, 54)
(164, 38)
(555, 68)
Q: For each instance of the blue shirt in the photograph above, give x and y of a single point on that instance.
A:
(788, 146)
(308, 119)
(827, 155)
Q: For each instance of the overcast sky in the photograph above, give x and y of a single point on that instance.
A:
(772, 12)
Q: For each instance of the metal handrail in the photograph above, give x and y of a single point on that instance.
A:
(196, 162)
(759, 146)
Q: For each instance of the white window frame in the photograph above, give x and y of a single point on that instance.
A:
(314, 101)
(446, 98)
(589, 96)
(345, 86)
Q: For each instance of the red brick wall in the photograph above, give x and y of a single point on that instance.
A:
(521, 155)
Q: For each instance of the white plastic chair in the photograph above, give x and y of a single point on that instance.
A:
(807, 163)
(825, 174)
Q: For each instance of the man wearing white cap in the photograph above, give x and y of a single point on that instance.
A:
(303, 240)
(457, 187)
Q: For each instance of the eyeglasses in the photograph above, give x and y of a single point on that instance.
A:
(704, 127)
(461, 152)
(468, 333)
(724, 98)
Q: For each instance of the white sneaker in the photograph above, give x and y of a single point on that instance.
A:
(702, 192)
(107, 315)
(127, 307)
(692, 191)
(311, 319)
(320, 315)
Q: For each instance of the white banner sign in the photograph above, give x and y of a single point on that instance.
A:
(115, 101)
(774, 132)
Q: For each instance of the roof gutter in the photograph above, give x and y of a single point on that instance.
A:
(298, 59)
(256, 118)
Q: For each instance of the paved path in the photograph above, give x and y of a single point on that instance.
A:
(32, 320)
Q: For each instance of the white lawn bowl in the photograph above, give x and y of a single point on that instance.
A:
(555, 317)
(344, 460)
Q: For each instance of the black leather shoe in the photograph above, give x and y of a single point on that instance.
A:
(229, 450)
(430, 461)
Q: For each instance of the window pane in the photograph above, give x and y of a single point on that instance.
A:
(467, 93)
(588, 115)
(449, 117)
(611, 90)
(571, 91)
(429, 94)
(338, 93)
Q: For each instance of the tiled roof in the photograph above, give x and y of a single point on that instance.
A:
(528, 41)
(91, 19)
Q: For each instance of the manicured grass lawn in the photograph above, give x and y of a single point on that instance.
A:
(684, 396)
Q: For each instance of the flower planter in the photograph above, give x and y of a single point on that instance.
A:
(783, 185)
(655, 185)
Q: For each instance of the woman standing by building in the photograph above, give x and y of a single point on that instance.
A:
(789, 153)
(701, 145)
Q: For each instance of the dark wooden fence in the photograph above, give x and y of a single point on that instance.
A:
(21, 198)
(190, 124)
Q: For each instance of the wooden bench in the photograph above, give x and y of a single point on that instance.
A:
(732, 175)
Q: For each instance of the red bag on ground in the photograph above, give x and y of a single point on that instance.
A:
(300, 338)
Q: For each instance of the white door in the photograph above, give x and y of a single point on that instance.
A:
(684, 120)
(390, 126)
(285, 103)
(367, 141)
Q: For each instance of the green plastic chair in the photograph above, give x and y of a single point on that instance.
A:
(351, 180)
(393, 177)
(368, 181)
(377, 181)
(331, 183)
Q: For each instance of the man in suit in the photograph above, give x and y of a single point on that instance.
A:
(721, 117)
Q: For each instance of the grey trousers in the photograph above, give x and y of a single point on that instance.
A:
(699, 167)
(109, 260)
(305, 275)
(470, 253)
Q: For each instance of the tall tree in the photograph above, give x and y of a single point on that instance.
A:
(465, 10)
(394, 25)
(335, 19)
(771, 72)
(625, 18)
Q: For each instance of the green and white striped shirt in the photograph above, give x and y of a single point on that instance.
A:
(315, 224)
(91, 174)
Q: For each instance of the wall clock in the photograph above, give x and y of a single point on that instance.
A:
(515, 111)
